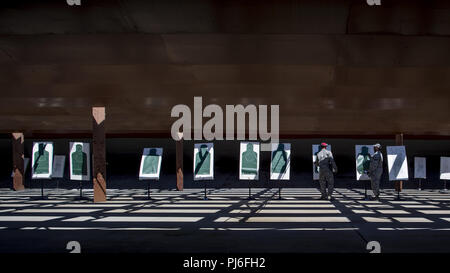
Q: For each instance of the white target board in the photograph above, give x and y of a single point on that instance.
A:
(249, 161)
(42, 160)
(150, 167)
(420, 167)
(203, 161)
(59, 162)
(363, 155)
(445, 168)
(80, 161)
(280, 163)
(397, 163)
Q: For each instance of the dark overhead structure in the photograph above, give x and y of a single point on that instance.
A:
(336, 67)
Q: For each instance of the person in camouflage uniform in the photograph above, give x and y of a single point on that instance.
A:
(376, 170)
(327, 166)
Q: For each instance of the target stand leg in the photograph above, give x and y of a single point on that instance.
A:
(444, 190)
(398, 196)
(81, 197)
(148, 190)
(42, 191)
(398, 189)
(249, 192)
(42, 197)
(205, 197)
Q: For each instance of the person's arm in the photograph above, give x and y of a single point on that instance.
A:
(333, 165)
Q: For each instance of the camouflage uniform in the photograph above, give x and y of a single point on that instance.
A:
(324, 159)
(375, 172)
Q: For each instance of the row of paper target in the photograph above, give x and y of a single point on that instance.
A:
(46, 165)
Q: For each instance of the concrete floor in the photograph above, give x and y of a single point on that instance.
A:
(225, 223)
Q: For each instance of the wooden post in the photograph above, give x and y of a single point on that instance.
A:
(18, 161)
(179, 161)
(399, 142)
(99, 158)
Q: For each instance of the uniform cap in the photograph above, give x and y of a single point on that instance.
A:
(377, 146)
(323, 144)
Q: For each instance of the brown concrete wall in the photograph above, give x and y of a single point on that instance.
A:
(334, 67)
(403, 17)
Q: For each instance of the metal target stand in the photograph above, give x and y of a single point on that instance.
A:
(398, 187)
(398, 198)
(42, 197)
(205, 181)
(149, 197)
(205, 197)
(148, 190)
(33, 168)
(249, 188)
(444, 190)
(249, 191)
(42, 191)
(81, 197)
(279, 187)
